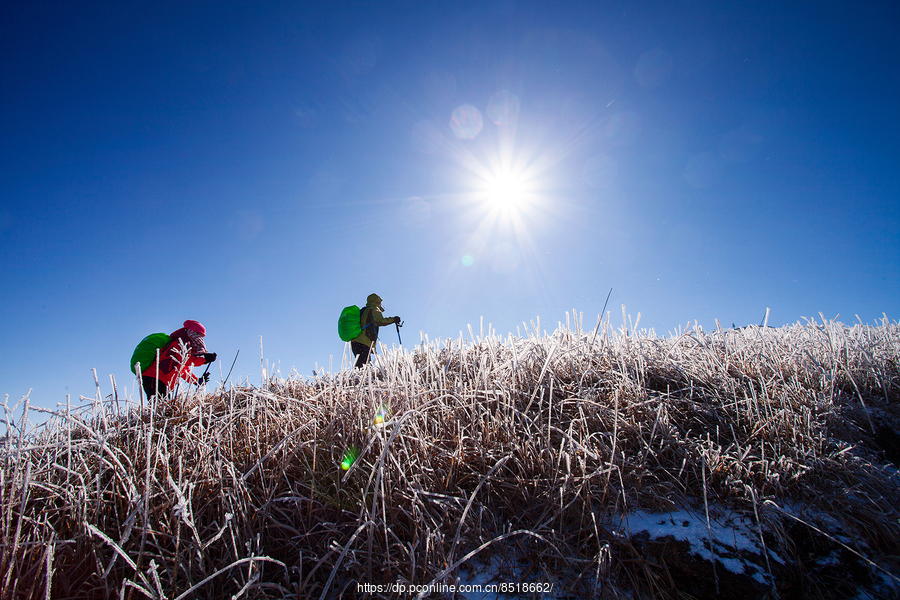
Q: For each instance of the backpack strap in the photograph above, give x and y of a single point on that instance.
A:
(366, 321)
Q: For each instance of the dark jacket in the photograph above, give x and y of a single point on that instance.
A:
(370, 319)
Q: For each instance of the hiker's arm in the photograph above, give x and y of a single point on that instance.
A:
(194, 361)
(380, 320)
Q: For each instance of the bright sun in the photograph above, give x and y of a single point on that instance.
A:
(505, 191)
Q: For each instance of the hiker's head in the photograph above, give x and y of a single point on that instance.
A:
(195, 326)
(374, 300)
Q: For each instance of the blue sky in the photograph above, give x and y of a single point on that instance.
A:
(259, 166)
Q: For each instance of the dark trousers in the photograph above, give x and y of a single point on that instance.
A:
(361, 351)
(154, 387)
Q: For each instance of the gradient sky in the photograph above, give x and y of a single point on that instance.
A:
(259, 166)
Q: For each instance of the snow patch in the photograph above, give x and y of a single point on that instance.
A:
(732, 535)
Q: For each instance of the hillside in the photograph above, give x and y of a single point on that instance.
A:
(738, 463)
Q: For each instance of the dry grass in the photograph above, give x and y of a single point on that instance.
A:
(524, 448)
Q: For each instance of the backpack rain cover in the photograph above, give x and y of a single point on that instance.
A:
(145, 352)
(348, 323)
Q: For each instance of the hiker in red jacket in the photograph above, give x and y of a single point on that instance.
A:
(185, 351)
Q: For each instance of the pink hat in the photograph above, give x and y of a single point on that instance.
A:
(195, 326)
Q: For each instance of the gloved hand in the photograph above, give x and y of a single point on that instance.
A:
(210, 357)
(397, 320)
(203, 379)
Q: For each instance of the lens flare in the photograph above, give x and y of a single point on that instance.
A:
(381, 415)
(512, 191)
(505, 191)
(350, 457)
(415, 213)
(466, 122)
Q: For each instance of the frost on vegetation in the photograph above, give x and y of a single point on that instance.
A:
(574, 458)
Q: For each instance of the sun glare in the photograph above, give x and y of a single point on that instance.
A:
(507, 196)
(506, 191)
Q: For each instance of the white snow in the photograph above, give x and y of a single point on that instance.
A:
(731, 534)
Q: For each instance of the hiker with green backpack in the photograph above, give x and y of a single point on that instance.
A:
(360, 327)
(177, 355)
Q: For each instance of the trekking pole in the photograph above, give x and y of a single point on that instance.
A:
(607, 301)
(600, 319)
(231, 369)
(399, 325)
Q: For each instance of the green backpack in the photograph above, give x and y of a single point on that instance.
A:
(145, 353)
(349, 325)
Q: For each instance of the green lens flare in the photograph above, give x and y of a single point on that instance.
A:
(350, 457)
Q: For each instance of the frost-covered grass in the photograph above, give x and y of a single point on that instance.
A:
(550, 457)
